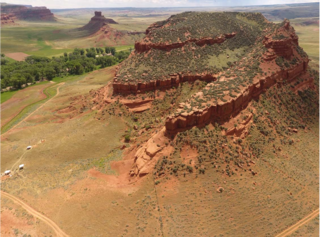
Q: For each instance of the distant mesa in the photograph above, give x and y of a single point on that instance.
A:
(97, 22)
(310, 22)
(26, 13)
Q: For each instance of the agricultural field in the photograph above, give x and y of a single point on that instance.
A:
(308, 31)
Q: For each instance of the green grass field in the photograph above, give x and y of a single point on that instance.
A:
(7, 95)
(45, 39)
(46, 50)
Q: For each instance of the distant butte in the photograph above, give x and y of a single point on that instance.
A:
(97, 22)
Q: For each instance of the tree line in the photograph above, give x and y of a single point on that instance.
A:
(37, 68)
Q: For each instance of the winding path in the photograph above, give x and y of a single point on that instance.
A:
(300, 223)
(58, 91)
(36, 214)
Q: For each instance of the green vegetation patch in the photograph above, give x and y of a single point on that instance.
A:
(7, 95)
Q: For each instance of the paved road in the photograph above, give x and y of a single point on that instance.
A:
(36, 214)
(300, 223)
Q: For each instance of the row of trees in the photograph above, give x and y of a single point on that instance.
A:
(92, 52)
(36, 68)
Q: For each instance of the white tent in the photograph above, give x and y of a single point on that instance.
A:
(7, 172)
(29, 147)
(21, 166)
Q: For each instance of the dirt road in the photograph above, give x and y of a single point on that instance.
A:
(36, 109)
(36, 214)
(12, 168)
(296, 226)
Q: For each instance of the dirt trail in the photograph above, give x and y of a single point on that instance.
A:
(36, 214)
(36, 109)
(300, 223)
(18, 161)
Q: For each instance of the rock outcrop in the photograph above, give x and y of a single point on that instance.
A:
(98, 17)
(280, 43)
(223, 110)
(172, 81)
(143, 46)
(7, 19)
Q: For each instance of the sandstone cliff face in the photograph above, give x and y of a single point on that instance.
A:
(221, 110)
(281, 42)
(172, 81)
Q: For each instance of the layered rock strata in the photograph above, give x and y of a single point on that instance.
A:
(172, 81)
(223, 110)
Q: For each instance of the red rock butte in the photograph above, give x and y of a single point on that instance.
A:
(270, 45)
(97, 22)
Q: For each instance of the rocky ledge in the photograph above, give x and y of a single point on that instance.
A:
(223, 110)
(145, 45)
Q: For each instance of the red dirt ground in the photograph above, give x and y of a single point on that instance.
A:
(17, 56)
(9, 222)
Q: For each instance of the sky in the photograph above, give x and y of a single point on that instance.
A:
(61, 4)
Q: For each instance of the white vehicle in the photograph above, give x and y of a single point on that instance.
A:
(29, 147)
(7, 172)
(21, 166)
